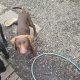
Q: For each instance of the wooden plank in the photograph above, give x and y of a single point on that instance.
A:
(14, 76)
(7, 72)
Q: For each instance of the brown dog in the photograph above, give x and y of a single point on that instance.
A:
(23, 40)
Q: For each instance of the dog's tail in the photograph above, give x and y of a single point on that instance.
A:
(17, 8)
(21, 8)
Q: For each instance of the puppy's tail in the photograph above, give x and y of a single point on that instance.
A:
(17, 8)
(22, 9)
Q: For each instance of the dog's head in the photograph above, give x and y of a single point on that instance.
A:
(22, 43)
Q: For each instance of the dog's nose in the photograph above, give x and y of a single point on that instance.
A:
(23, 51)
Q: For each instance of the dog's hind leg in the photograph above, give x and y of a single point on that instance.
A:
(31, 24)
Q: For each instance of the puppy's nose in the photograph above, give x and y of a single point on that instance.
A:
(23, 51)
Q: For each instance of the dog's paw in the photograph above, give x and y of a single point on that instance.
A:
(34, 51)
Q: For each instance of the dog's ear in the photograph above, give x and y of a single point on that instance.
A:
(30, 46)
(30, 38)
(13, 40)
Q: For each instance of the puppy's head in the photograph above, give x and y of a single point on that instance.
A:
(22, 43)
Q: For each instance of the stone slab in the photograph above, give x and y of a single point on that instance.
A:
(7, 16)
(2, 7)
(14, 76)
(8, 71)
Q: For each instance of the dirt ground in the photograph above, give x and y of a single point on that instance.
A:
(60, 22)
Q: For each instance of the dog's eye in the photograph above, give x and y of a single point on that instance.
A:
(24, 42)
(19, 43)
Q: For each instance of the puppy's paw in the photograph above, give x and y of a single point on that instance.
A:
(34, 51)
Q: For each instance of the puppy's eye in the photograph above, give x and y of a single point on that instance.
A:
(24, 42)
(19, 43)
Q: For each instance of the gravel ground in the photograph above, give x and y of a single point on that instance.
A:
(51, 67)
(60, 22)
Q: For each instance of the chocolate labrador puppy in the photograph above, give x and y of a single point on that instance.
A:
(23, 40)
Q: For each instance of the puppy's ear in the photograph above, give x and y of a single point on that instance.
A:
(13, 40)
(30, 38)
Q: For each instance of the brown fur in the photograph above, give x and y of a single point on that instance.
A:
(23, 40)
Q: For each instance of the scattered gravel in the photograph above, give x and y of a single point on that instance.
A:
(60, 22)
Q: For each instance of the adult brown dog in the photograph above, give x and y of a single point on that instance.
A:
(23, 40)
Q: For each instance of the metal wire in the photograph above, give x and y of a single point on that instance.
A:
(55, 55)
